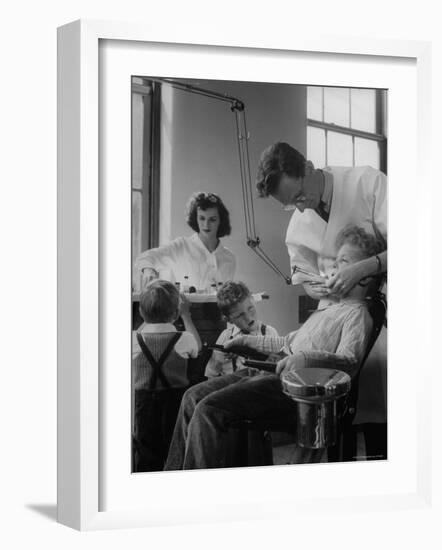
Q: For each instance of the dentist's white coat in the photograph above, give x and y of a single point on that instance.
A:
(359, 198)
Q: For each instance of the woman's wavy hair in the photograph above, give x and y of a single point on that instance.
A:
(278, 159)
(204, 201)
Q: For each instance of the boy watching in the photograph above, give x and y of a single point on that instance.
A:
(237, 305)
(160, 306)
(159, 372)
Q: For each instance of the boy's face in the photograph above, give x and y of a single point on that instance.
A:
(244, 315)
(349, 254)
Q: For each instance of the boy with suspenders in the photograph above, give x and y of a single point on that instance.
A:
(159, 372)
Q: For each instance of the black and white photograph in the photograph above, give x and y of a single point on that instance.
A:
(259, 273)
(196, 346)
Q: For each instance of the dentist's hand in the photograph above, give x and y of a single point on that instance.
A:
(344, 279)
(317, 291)
(316, 287)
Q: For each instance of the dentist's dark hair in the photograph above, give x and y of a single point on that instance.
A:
(278, 159)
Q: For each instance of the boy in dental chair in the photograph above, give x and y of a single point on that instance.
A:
(334, 336)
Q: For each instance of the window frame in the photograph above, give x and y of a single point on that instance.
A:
(379, 135)
(150, 179)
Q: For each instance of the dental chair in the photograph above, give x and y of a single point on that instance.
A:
(255, 438)
(345, 449)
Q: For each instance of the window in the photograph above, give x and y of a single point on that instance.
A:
(346, 127)
(146, 104)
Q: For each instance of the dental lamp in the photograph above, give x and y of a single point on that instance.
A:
(238, 109)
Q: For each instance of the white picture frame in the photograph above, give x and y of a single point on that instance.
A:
(80, 293)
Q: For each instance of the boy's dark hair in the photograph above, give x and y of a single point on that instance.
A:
(369, 244)
(278, 159)
(204, 201)
(160, 302)
(230, 294)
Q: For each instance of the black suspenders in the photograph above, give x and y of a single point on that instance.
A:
(158, 365)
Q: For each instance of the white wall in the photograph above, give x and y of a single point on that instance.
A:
(199, 152)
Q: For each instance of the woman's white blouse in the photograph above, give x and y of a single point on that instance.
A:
(187, 256)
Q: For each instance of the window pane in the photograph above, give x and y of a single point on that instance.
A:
(366, 152)
(136, 223)
(314, 102)
(316, 146)
(339, 149)
(363, 110)
(137, 140)
(337, 106)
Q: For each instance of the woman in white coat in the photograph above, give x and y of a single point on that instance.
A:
(199, 260)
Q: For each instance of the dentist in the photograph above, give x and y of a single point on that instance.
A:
(324, 202)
